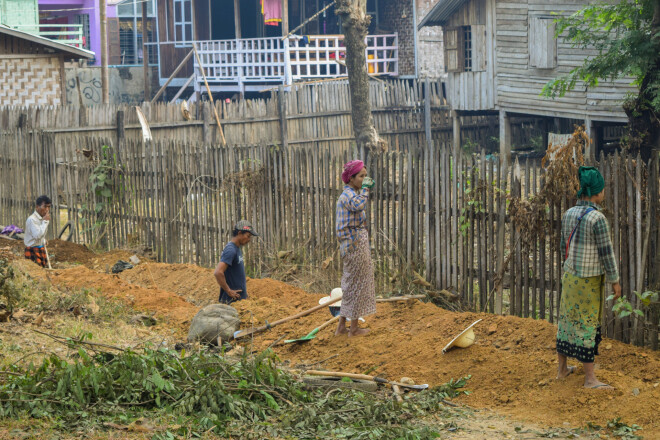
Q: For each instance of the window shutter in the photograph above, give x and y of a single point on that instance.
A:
(453, 49)
(542, 43)
(114, 48)
(478, 47)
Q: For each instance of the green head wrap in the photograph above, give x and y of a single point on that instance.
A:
(591, 182)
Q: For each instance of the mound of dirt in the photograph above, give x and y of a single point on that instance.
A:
(62, 251)
(195, 283)
(512, 364)
(162, 303)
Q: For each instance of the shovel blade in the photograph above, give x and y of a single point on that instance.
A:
(311, 335)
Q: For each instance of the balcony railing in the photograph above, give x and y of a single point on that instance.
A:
(71, 34)
(264, 60)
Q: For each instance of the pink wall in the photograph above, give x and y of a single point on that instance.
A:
(89, 7)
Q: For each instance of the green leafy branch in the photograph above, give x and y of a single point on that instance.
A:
(621, 35)
(623, 308)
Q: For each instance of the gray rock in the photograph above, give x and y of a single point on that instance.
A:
(212, 321)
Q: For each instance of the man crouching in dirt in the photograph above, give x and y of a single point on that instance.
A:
(35, 232)
(230, 273)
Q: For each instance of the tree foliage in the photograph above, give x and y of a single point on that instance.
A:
(621, 35)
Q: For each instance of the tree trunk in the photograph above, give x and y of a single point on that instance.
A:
(643, 121)
(355, 23)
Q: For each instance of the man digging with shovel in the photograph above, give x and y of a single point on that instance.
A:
(35, 232)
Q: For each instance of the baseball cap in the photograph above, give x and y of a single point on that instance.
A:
(245, 225)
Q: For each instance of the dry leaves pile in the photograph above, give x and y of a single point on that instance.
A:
(560, 182)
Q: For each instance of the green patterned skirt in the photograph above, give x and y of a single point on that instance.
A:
(580, 313)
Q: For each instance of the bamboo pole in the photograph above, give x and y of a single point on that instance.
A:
(208, 89)
(169, 80)
(145, 53)
(105, 80)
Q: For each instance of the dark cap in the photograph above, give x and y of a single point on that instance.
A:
(245, 226)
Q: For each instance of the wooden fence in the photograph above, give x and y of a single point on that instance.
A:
(305, 116)
(430, 211)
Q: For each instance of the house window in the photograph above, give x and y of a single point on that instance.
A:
(542, 42)
(84, 20)
(130, 32)
(465, 48)
(183, 29)
(372, 9)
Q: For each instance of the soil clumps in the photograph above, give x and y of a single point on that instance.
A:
(512, 363)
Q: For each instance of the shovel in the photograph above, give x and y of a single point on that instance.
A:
(365, 377)
(311, 335)
(247, 332)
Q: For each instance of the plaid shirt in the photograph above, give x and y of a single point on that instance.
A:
(350, 216)
(591, 252)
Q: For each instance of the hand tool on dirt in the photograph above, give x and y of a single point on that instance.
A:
(365, 377)
(268, 326)
(311, 335)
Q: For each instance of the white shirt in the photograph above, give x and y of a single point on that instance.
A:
(35, 230)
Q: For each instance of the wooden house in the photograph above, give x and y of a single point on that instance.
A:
(19, 13)
(499, 55)
(32, 68)
(240, 51)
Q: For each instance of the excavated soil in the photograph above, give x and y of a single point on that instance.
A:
(512, 364)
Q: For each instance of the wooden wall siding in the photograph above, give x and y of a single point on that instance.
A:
(429, 210)
(473, 12)
(30, 80)
(471, 91)
(202, 19)
(315, 115)
(475, 90)
(519, 84)
(170, 55)
(10, 45)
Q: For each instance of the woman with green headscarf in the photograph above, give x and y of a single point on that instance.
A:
(588, 264)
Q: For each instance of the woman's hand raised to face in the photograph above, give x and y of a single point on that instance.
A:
(368, 183)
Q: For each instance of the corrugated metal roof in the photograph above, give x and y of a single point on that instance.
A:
(71, 51)
(441, 12)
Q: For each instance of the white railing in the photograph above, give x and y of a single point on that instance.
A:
(263, 60)
(323, 56)
(71, 34)
(244, 60)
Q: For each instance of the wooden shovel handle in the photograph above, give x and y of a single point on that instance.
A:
(327, 323)
(263, 328)
(47, 257)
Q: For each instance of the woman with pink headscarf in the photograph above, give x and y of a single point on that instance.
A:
(357, 282)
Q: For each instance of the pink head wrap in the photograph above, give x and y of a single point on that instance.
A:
(350, 169)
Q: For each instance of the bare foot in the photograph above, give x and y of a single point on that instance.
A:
(358, 332)
(599, 385)
(341, 331)
(567, 372)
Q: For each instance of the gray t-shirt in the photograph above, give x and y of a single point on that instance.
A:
(235, 273)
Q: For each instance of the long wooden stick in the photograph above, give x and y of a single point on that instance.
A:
(169, 80)
(364, 377)
(47, 257)
(399, 298)
(208, 89)
(263, 328)
(307, 21)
